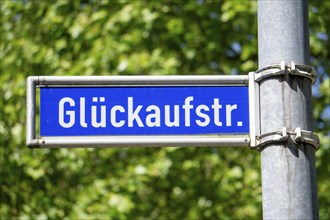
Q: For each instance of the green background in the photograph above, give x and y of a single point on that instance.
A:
(95, 37)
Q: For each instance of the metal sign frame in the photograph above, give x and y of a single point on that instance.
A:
(34, 141)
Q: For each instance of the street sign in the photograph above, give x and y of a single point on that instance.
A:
(151, 110)
(139, 111)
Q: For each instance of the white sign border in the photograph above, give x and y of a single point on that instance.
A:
(33, 82)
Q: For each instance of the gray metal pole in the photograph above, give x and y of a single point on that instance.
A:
(288, 170)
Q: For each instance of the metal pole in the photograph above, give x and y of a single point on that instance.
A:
(288, 170)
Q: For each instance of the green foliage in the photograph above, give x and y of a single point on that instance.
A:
(88, 37)
(320, 56)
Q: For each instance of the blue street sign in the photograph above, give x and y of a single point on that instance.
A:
(145, 110)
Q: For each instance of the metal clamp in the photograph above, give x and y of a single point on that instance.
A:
(272, 137)
(300, 136)
(285, 68)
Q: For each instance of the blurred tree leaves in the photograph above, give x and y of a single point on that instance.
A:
(89, 37)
